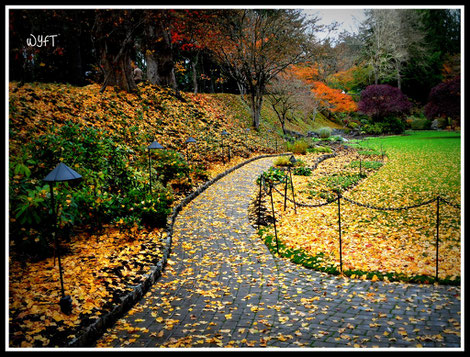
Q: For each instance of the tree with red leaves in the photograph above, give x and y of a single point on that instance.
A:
(444, 100)
(382, 100)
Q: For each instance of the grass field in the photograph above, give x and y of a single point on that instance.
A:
(394, 245)
(421, 164)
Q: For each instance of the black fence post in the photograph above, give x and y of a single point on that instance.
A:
(285, 191)
(259, 200)
(274, 217)
(293, 195)
(437, 237)
(339, 230)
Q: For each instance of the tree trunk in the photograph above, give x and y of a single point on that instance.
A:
(158, 50)
(281, 117)
(194, 67)
(398, 75)
(115, 51)
(256, 103)
(118, 73)
(152, 68)
(376, 74)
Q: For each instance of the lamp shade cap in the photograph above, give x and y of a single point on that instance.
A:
(224, 132)
(292, 159)
(155, 145)
(62, 173)
(190, 140)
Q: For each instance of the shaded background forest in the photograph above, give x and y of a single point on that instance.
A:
(198, 50)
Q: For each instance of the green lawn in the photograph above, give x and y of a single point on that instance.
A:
(393, 244)
(421, 165)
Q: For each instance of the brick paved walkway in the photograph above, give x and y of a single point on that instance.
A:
(222, 288)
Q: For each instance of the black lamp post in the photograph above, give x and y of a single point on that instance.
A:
(61, 173)
(153, 146)
(189, 140)
(224, 133)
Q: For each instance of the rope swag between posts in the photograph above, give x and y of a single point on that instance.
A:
(269, 185)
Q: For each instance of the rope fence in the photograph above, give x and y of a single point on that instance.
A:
(269, 185)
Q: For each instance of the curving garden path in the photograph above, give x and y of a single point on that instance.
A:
(223, 288)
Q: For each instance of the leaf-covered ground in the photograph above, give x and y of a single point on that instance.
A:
(138, 118)
(98, 270)
(223, 289)
(418, 168)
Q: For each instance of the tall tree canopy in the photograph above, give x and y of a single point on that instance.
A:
(255, 45)
(114, 34)
(236, 50)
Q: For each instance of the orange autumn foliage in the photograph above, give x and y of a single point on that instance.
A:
(334, 99)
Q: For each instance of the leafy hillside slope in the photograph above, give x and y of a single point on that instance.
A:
(104, 137)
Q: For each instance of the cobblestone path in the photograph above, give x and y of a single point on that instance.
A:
(222, 288)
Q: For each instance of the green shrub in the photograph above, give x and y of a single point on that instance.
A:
(273, 174)
(319, 149)
(420, 124)
(353, 125)
(302, 171)
(169, 165)
(282, 161)
(324, 132)
(111, 186)
(374, 129)
(298, 147)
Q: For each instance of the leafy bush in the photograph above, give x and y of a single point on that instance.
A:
(444, 100)
(353, 125)
(439, 123)
(170, 165)
(110, 187)
(389, 125)
(324, 132)
(318, 149)
(282, 161)
(382, 100)
(420, 124)
(298, 147)
(273, 174)
(373, 128)
(302, 171)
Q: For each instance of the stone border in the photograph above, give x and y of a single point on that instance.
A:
(92, 332)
